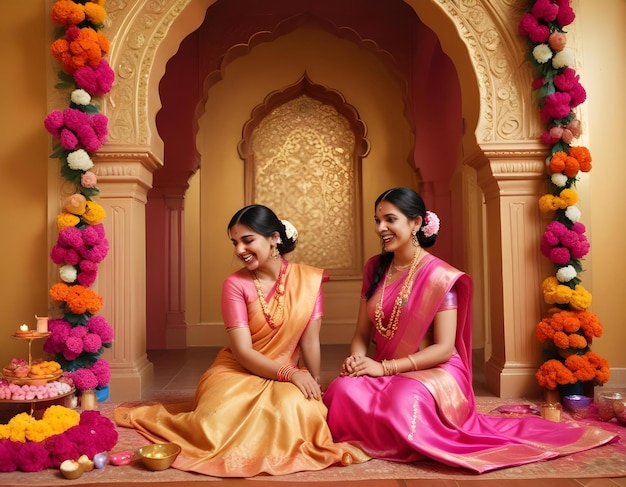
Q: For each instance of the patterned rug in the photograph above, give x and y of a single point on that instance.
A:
(605, 461)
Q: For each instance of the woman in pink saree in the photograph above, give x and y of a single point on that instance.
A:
(258, 408)
(414, 399)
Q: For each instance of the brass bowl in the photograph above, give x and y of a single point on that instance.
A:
(159, 456)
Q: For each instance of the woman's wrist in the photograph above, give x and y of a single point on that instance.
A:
(390, 367)
(412, 360)
(285, 372)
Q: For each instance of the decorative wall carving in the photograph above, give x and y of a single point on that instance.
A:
(303, 168)
(139, 27)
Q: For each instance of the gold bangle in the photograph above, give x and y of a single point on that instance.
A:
(412, 362)
(385, 364)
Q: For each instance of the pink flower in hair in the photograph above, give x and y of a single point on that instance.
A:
(430, 226)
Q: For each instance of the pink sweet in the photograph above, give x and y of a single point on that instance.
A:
(121, 458)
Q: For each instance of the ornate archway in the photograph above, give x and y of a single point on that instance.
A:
(499, 143)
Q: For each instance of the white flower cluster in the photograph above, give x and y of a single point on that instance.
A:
(79, 160)
(290, 230)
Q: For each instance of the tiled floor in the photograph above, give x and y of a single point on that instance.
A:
(179, 370)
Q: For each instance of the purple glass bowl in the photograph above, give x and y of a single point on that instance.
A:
(576, 402)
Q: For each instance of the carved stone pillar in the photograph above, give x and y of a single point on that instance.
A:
(124, 178)
(166, 276)
(512, 180)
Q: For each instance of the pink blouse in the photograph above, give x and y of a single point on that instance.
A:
(238, 291)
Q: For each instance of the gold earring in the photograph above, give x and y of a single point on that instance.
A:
(275, 253)
(414, 239)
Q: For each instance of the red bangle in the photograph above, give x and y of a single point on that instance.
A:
(286, 372)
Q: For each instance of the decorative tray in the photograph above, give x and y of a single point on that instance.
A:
(36, 400)
(31, 381)
(517, 409)
(30, 334)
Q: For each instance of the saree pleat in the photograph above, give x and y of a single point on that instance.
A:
(240, 424)
(432, 413)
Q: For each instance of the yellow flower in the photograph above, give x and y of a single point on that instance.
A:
(66, 219)
(555, 293)
(581, 298)
(94, 213)
(569, 197)
(547, 203)
(55, 420)
(95, 13)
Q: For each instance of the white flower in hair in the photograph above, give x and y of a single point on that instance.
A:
(290, 230)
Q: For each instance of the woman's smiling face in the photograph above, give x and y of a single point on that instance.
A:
(251, 247)
(394, 228)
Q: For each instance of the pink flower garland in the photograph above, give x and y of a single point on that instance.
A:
(94, 434)
(559, 92)
(77, 340)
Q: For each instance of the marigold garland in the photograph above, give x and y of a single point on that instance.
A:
(568, 331)
(92, 433)
(55, 420)
(80, 130)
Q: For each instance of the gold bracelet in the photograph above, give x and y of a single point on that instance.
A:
(412, 362)
(394, 367)
(385, 367)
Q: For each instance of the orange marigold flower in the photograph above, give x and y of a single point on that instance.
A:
(590, 325)
(67, 12)
(78, 299)
(553, 372)
(561, 340)
(84, 49)
(577, 341)
(580, 367)
(583, 157)
(571, 167)
(557, 162)
(544, 330)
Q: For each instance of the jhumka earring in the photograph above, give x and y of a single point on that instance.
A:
(414, 239)
(275, 253)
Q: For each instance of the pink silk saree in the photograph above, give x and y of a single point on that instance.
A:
(432, 413)
(240, 424)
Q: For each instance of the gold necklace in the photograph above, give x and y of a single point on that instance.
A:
(402, 298)
(279, 293)
(400, 268)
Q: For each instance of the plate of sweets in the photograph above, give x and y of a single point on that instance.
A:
(38, 373)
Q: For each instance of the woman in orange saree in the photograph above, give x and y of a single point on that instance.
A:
(414, 398)
(256, 410)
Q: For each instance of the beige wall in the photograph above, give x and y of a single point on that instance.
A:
(23, 171)
(602, 51)
(24, 164)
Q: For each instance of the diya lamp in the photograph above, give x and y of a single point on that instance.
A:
(551, 411)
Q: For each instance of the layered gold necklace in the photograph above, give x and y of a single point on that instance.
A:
(272, 319)
(389, 330)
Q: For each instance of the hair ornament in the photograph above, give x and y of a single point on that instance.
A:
(290, 230)
(430, 225)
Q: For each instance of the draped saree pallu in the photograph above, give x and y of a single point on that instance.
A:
(240, 424)
(432, 413)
